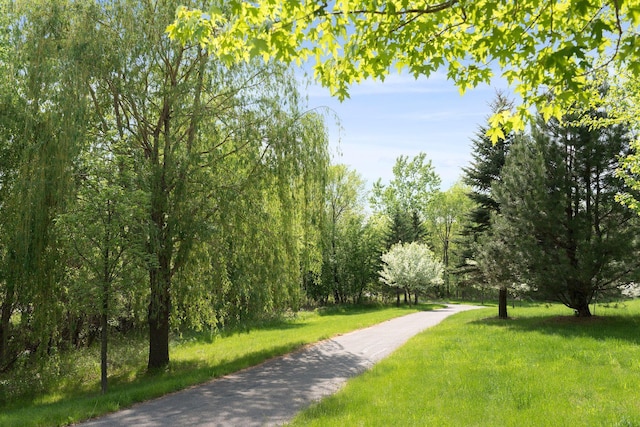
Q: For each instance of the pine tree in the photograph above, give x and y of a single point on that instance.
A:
(561, 230)
(484, 171)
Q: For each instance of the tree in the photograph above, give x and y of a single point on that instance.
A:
(362, 247)
(344, 198)
(43, 125)
(351, 241)
(559, 226)
(414, 182)
(405, 198)
(497, 249)
(549, 51)
(481, 175)
(100, 229)
(411, 267)
(217, 147)
(446, 214)
(622, 103)
(227, 165)
(542, 48)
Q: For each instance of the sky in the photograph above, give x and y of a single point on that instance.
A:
(404, 116)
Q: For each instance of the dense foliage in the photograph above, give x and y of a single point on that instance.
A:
(559, 228)
(542, 48)
(143, 183)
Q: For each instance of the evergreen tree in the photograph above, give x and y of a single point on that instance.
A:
(484, 171)
(561, 230)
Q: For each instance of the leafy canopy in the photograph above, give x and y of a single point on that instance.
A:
(544, 49)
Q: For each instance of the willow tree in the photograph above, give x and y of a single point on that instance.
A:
(43, 126)
(204, 135)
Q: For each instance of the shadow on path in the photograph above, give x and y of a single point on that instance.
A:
(273, 392)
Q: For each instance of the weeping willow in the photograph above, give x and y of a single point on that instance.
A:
(224, 156)
(44, 126)
(230, 167)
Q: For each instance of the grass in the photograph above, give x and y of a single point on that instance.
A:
(542, 367)
(195, 358)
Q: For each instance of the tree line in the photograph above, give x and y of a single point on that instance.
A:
(145, 185)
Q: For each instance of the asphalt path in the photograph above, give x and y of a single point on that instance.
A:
(273, 392)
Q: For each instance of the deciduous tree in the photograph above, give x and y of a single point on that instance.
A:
(542, 48)
(411, 267)
(406, 197)
(445, 216)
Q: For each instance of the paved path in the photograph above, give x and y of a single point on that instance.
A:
(273, 392)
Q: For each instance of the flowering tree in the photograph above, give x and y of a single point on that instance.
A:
(630, 290)
(411, 267)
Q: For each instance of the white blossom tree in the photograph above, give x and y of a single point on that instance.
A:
(630, 290)
(411, 267)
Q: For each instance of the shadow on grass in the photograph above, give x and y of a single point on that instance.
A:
(72, 407)
(620, 327)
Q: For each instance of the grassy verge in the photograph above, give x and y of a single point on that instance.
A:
(196, 358)
(540, 368)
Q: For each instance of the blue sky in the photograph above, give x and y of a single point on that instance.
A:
(404, 116)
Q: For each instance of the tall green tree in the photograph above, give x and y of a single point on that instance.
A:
(446, 215)
(562, 231)
(223, 164)
(488, 159)
(44, 124)
(362, 246)
(100, 229)
(497, 248)
(208, 138)
(344, 205)
(406, 197)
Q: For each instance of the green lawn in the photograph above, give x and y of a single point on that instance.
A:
(196, 358)
(543, 367)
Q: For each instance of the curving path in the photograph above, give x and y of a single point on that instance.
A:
(273, 392)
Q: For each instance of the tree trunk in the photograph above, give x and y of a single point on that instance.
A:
(159, 310)
(398, 298)
(579, 300)
(581, 306)
(583, 311)
(5, 324)
(502, 303)
(4, 332)
(104, 340)
(160, 247)
(415, 301)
